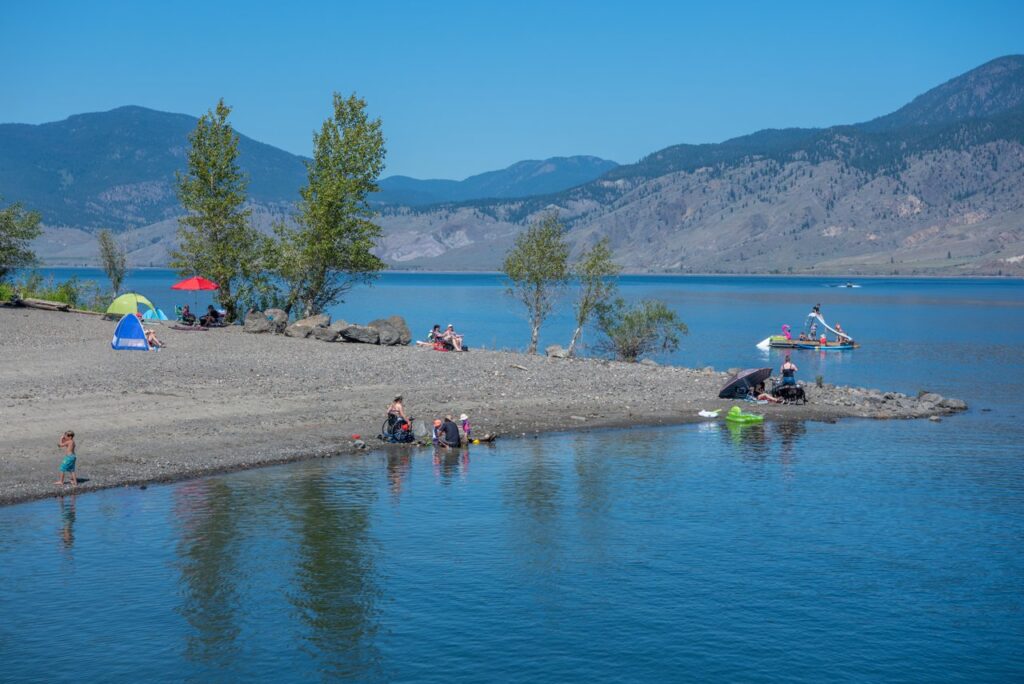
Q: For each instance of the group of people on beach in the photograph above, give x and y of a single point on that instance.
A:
(446, 432)
(443, 340)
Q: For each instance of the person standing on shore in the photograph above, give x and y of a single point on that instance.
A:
(788, 370)
(67, 446)
(467, 429)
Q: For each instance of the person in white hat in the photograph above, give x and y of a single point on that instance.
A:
(466, 427)
(452, 337)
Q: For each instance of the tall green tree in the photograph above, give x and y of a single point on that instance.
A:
(596, 274)
(215, 238)
(537, 267)
(327, 252)
(18, 227)
(113, 259)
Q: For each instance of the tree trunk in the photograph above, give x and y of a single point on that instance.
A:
(534, 333)
(574, 340)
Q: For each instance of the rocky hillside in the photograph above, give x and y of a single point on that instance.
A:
(936, 187)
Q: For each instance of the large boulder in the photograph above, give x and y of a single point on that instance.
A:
(361, 333)
(328, 334)
(278, 319)
(256, 322)
(388, 334)
(306, 326)
(317, 321)
(399, 324)
(296, 330)
(338, 326)
(556, 351)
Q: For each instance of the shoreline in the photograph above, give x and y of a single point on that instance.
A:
(224, 400)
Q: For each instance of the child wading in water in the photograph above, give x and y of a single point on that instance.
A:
(67, 444)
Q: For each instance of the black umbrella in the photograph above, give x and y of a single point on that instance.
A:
(742, 382)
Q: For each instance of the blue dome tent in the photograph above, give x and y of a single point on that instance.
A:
(129, 334)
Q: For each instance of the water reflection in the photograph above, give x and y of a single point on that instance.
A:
(534, 493)
(790, 434)
(335, 590)
(398, 465)
(207, 512)
(451, 463)
(753, 439)
(67, 519)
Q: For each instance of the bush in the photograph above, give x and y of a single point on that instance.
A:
(633, 331)
(78, 294)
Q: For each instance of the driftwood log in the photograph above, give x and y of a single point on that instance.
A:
(47, 305)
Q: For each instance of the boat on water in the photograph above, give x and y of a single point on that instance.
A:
(809, 339)
(780, 342)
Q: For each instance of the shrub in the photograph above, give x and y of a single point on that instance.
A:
(633, 331)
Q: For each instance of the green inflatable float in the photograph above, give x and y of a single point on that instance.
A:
(735, 415)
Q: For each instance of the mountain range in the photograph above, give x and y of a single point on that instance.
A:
(936, 187)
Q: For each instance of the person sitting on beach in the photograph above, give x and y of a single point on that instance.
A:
(435, 334)
(449, 434)
(212, 317)
(187, 317)
(761, 395)
(396, 412)
(152, 339)
(452, 337)
(788, 371)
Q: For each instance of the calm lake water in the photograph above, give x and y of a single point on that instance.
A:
(855, 551)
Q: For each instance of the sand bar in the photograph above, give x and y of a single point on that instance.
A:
(223, 399)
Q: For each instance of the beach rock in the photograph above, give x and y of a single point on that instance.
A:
(296, 330)
(556, 351)
(387, 334)
(328, 334)
(954, 404)
(930, 398)
(399, 324)
(734, 371)
(935, 419)
(648, 362)
(305, 327)
(317, 321)
(256, 322)
(278, 319)
(361, 333)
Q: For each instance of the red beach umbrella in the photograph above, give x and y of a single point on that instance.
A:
(195, 283)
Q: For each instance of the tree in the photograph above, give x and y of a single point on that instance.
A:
(596, 274)
(632, 331)
(538, 267)
(113, 258)
(18, 227)
(328, 252)
(215, 238)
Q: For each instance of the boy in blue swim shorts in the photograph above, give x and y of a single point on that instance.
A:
(67, 445)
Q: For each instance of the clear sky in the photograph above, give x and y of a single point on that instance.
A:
(466, 87)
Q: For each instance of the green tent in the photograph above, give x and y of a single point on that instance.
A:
(128, 303)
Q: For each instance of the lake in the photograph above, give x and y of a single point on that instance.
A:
(803, 552)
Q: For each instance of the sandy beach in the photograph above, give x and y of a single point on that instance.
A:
(223, 399)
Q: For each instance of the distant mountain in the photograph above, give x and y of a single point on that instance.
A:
(522, 179)
(116, 169)
(994, 88)
(935, 187)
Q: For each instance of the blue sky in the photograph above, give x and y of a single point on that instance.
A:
(466, 87)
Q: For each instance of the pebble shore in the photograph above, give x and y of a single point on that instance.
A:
(223, 400)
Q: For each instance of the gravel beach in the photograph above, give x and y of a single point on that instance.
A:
(223, 399)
